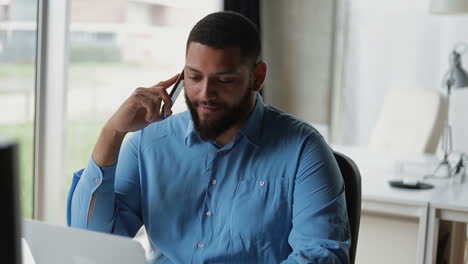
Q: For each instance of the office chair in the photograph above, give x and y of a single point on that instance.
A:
(352, 181)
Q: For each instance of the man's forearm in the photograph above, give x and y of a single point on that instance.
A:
(106, 150)
(105, 153)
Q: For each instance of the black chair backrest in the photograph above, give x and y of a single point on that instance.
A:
(9, 195)
(352, 181)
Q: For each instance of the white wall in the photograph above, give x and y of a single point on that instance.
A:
(297, 41)
(392, 45)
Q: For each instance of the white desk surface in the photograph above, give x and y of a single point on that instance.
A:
(377, 169)
(452, 197)
(376, 187)
(444, 195)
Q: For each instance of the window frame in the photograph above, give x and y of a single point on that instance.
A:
(53, 18)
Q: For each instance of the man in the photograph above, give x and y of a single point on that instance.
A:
(232, 180)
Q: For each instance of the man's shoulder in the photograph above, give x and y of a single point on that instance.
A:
(285, 138)
(283, 124)
(174, 125)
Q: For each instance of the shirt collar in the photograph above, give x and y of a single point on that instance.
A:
(251, 129)
(191, 134)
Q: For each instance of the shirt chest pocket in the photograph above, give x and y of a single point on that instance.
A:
(259, 207)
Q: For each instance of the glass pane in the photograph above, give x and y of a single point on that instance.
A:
(17, 81)
(136, 43)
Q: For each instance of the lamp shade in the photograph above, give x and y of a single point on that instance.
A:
(457, 74)
(449, 6)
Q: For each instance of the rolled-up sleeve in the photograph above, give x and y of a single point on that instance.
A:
(114, 212)
(320, 232)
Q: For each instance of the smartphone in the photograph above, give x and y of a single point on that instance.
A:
(175, 91)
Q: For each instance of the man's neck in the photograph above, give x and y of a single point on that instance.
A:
(229, 134)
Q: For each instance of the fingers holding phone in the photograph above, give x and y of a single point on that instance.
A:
(143, 107)
(175, 91)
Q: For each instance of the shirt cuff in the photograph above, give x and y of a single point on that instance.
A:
(84, 183)
(94, 177)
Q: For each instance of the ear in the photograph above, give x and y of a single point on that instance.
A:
(259, 75)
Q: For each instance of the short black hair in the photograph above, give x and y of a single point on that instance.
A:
(227, 29)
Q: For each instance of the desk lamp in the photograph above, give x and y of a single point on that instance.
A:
(456, 77)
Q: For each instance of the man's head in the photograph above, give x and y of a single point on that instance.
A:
(228, 29)
(222, 72)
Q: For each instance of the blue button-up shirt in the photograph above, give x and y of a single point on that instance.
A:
(273, 194)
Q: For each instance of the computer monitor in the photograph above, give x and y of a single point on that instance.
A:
(9, 195)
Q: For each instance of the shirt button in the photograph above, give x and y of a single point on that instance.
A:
(213, 182)
(199, 245)
(262, 183)
(208, 213)
(97, 181)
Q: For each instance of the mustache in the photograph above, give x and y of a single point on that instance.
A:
(208, 103)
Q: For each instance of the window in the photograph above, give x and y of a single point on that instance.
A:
(17, 81)
(392, 45)
(115, 48)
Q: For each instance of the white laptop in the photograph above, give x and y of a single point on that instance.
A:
(52, 244)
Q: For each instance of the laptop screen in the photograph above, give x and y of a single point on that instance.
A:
(11, 250)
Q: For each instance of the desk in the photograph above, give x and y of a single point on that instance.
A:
(393, 220)
(379, 198)
(449, 203)
(444, 202)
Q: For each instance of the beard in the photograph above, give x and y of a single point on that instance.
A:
(211, 128)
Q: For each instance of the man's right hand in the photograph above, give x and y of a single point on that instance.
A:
(142, 108)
